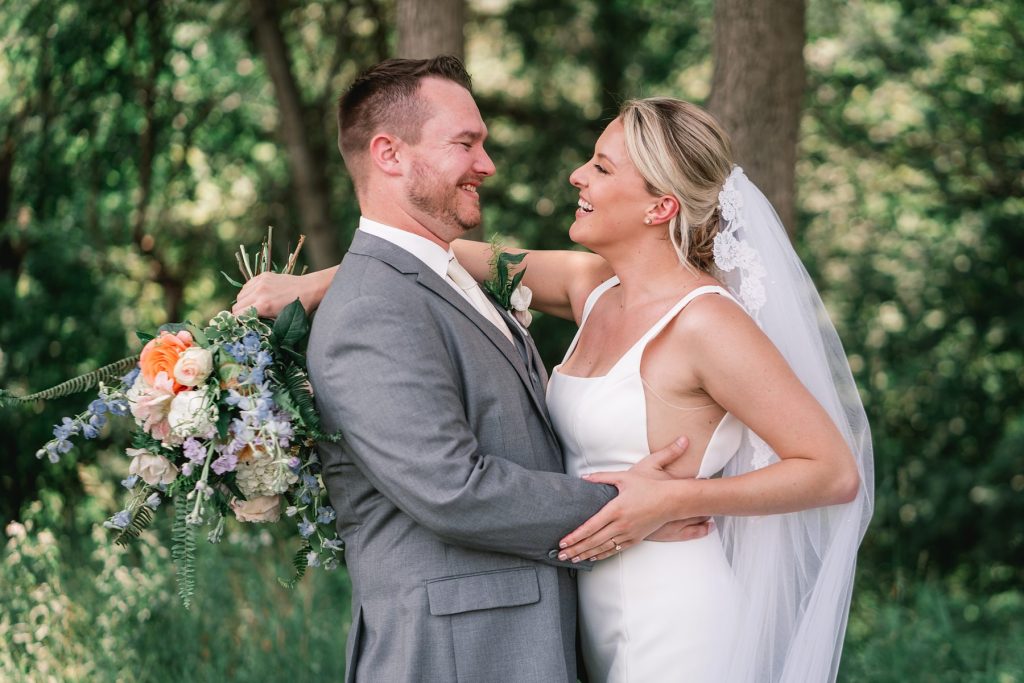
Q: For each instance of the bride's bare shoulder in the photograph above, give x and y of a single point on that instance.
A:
(712, 319)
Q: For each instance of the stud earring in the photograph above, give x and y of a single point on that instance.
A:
(647, 221)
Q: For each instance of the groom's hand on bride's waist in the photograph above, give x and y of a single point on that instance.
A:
(683, 530)
(658, 465)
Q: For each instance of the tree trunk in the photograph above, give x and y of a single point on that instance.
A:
(427, 28)
(307, 156)
(757, 91)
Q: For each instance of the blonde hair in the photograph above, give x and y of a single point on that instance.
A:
(681, 150)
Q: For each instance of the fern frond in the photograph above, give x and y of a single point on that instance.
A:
(75, 385)
(142, 518)
(300, 562)
(300, 394)
(184, 554)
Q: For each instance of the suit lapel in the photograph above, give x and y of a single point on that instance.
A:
(406, 263)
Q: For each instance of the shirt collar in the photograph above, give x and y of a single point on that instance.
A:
(435, 257)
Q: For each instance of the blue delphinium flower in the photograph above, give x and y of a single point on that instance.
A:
(306, 527)
(312, 483)
(119, 521)
(129, 380)
(251, 343)
(312, 559)
(153, 501)
(325, 515)
(129, 482)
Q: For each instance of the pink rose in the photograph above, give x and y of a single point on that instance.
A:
(258, 509)
(193, 367)
(152, 469)
(151, 404)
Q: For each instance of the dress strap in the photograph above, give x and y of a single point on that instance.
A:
(638, 348)
(587, 308)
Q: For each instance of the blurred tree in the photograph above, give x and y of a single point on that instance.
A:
(757, 91)
(305, 143)
(427, 28)
(911, 179)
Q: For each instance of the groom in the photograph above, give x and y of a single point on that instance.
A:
(449, 488)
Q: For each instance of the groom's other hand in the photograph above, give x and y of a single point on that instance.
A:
(657, 465)
(683, 530)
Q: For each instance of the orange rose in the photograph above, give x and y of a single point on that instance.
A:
(161, 355)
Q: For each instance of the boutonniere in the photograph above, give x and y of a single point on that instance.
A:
(507, 288)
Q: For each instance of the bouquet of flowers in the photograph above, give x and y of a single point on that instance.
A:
(224, 425)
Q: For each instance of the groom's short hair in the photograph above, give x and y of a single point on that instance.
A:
(384, 98)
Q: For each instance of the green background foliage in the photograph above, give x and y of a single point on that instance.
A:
(139, 144)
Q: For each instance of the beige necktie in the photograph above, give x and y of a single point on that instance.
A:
(476, 296)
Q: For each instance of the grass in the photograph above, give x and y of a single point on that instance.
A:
(77, 608)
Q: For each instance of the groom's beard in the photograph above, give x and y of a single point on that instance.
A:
(440, 201)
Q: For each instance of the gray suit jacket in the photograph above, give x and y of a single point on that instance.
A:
(449, 487)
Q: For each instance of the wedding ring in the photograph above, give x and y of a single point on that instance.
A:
(618, 548)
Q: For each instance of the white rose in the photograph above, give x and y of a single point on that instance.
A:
(192, 414)
(152, 469)
(520, 302)
(193, 367)
(259, 509)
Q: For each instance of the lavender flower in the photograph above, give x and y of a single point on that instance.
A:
(227, 462)
(193, 450)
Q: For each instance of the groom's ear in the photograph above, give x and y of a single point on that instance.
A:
(665, 209)
(386, 153)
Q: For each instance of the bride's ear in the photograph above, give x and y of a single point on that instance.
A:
(664, 210)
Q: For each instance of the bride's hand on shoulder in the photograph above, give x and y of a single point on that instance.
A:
(642, 507)
(269, 293)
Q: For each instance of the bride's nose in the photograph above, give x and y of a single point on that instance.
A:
(576, 177)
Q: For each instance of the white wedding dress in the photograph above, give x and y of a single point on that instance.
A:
(656, 611)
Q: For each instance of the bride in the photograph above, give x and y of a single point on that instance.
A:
(696, 317)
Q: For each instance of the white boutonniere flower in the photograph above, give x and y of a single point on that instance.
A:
(519, 302)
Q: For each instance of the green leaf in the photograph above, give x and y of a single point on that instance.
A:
(291, 326)
(516, 280)
(144, 337)
(232, 281)
(502, 267)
